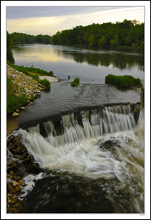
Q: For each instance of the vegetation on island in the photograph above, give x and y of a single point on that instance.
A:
(107, 35)
(75, 82)
(125, 81)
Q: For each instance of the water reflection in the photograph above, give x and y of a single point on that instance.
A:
(119, 60)
(38, 53)
(51, 53)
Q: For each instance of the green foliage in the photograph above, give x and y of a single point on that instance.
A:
(92, 40)
(9, 49)
(125, 81)
(102, 35)
(115, 41)
(20, 38)
(45, 83)
(75, 82)
(134, 45)
(68, 76)
(35, 77)
(13, 101)
(102, 42)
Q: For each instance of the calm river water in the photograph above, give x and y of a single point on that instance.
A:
(87, 64)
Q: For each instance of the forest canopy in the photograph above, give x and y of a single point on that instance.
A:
(21, 38)
(126, 33)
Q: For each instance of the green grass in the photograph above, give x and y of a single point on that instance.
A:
(45, 83)
(125, 81)
(13, 101)
(75, 82)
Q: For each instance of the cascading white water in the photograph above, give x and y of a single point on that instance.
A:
(98, 149)
(75, 149)
(95, 124)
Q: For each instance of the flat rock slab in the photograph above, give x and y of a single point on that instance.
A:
(49, 78)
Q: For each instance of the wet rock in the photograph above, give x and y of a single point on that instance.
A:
(10, 138)
(22, 108)
(15, 114)
(19, 164)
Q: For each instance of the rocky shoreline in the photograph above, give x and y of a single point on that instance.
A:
(19, 164)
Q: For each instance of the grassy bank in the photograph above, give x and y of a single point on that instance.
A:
(125, 81)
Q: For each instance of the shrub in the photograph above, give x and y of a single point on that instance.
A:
(45, 83)
(75, 82)
(125, 81)
(68, 76)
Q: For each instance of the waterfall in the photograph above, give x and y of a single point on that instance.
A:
(92, 145)
(75, 134)
(88, 124)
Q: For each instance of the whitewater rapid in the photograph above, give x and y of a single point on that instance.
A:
(109, 148)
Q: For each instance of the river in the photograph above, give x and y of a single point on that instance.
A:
(91, 66)
(92, 155)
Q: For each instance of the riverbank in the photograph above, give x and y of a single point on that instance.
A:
(25, 86)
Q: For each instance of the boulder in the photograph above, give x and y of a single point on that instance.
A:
(22, 108)
(15, 114)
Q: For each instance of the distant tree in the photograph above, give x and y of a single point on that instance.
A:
(91, 40)
(114, 41)
(102, 42)
(9, 49)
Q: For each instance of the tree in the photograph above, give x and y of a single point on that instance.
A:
(91, 40)
(115, 41)
(102, 42)
(9, 49)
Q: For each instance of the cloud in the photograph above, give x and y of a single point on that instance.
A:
(50, 25)
(48, 11)
(43, 25)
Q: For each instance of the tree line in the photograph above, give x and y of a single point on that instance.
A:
(21, 38)
(126, 33)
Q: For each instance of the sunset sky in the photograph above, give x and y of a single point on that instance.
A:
(50, 19)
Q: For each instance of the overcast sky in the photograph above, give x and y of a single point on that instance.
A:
(50, 19)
